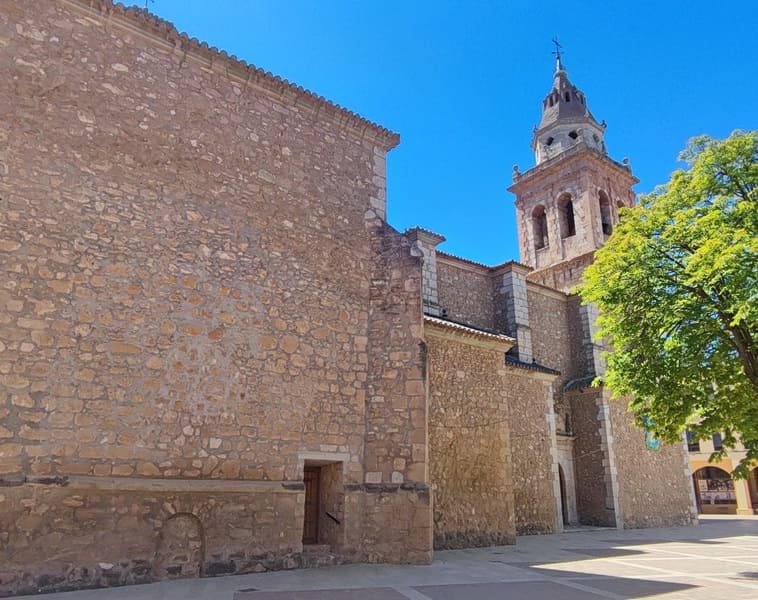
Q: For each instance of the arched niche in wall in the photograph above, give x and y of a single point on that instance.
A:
(606, 218)
(565, 206)
(539, 227)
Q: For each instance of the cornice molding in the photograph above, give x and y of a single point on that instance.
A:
(567, 158)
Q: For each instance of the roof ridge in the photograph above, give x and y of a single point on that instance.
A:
(150, 23)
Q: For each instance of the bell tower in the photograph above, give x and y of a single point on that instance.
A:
(568, 203)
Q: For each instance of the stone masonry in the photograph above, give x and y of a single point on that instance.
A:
(469, 437)
(216, 356)
(199, 297)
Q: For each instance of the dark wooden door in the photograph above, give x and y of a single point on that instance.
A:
(311, 476)
(564, 505)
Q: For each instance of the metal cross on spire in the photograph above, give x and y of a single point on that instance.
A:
(557, 53)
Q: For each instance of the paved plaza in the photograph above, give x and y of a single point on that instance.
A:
(716, 560)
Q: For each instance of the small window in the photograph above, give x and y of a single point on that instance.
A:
(718, 443)
(567, 96)
(573, 135)
(693, 444)
(549, 141)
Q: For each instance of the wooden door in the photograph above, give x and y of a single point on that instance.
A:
(564, 504)
(311, 476)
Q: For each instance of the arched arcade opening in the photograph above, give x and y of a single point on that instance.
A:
(714, 491)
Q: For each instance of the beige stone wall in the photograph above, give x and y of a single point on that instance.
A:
(594, 492)
(465, 292)
(579, 344)
(396, 523)
(179, 293)
(534, 453)
(654, 485)
(551, 342)
(196, 282)
(469, 444)
(565, 447)
(548, 317)
(89, 535)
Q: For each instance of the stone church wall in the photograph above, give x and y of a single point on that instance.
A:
(548, 318)
(466, 293)
(582, 364)
(100, 532)
(396, 523)
(469, 444)
(534, 452)
(551, 343)
(649, 494)
(594, 497)
(187, 262)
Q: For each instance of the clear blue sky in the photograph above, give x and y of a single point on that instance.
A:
(462, 82)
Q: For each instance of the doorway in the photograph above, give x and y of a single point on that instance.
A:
(311, 479)
(564, 504)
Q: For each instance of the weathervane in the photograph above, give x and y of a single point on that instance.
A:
(557, 53)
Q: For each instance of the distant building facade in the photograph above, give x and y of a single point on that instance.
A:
(715, 490)
(217, 357)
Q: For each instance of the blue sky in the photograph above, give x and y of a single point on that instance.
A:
(462, 82)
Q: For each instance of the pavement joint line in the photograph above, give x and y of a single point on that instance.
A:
(730, 582)
(578, 586)
(680, 574)
(585, 588)
(670, 572)
(411, 593)
(701, 557)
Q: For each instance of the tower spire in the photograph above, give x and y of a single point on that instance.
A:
(557, 53)
(566, 119)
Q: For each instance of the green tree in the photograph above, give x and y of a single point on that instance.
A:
(677, 289)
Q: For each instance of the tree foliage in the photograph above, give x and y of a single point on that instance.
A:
(677, 289)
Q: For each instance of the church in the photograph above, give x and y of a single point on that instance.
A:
(217, 357)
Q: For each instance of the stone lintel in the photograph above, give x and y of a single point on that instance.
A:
(323, 458)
